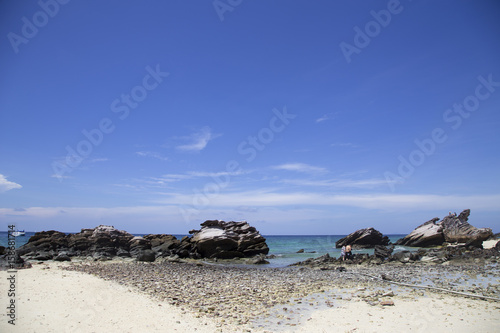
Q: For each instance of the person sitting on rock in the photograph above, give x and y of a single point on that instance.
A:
(346, 252)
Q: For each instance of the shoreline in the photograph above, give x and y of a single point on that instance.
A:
(125, 296)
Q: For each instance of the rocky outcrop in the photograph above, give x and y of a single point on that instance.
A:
(455, 254)
(100, 243)
(452, 229)
(216, 239)
(458, 230)
(227, 240)
(382, 252)
(425, 235)
(363, 239)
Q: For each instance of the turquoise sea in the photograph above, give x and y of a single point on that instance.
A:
(284, 248)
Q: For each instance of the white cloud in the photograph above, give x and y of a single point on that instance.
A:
(6, 185)
(271, 198)
(152, 154)
(198, 140)
(325, 117)
(177, 213)
(342, 183)
(300, 167)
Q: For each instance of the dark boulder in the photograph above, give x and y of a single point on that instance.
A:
(363, 239)
(102, 241)
(382, 251)
(402, 256)
(162, 243)
(226, 240)
(138, 244)
(146, 255)
(46, 241)
(258, 260)
(42, 256)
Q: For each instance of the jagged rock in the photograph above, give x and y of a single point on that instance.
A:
(122, 253)
(138, 244)
(451, 229)
(45, 241)
(428, 234)
(227, 240)
(216, 239)
(382, 251)
(258, 260)
(102, 240)
(402, 256)
(363, 239)
(457, 229)
(162, 243)
(107, 236)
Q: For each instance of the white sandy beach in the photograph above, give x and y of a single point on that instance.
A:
(53, 300)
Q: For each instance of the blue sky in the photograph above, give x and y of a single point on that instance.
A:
(300, 117)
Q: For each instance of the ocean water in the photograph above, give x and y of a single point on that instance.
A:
(283, 248)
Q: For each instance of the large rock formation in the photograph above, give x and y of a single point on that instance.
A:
(458, 230)
(216, 239)
(363, 239)
(101, 242)
(428, 234)
(226, 240)
(451, 229)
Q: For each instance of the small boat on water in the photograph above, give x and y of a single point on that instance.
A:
(18, 233)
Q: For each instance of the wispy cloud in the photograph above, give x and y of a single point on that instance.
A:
(379, 201)
(152, 154)
(338, 183)
(167, 180)
(197, 140)
(6, 185)
(325, 117)
(300, 167)
(60, 176)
